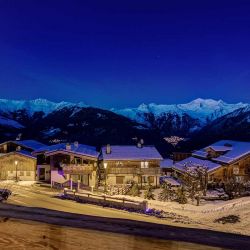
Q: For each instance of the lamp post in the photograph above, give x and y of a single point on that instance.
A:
(105, 164)
(16, 162)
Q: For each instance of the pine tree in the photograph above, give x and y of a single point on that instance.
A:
(167, 193)
(181, 195)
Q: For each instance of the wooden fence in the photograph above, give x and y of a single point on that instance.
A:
(105, 200)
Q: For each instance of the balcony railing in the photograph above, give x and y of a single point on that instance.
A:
(138, 171)
(78, 169)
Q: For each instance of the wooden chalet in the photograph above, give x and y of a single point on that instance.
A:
(224, 160)
(124, 163)
(68, 164)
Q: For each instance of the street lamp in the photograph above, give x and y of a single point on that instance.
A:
(16, 162)
(105, 164)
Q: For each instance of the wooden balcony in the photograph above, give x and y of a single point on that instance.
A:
(135, 171)
(78, 169)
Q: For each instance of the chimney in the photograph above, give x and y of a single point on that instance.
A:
(76, 144)
(142, 142)
(139, 145)
(68, 146)
(108, 149)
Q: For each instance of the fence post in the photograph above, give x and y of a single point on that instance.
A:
(144, 205)
(78, 185)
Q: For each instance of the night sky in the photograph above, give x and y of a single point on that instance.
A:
(123, 53)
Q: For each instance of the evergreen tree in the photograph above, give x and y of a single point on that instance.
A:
(181, 195)
(167, 193)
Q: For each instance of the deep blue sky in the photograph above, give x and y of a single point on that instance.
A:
(123, 53)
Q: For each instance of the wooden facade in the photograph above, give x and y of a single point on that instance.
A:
(239, 170)
(23, 170)
(66, 167)
(142, 172)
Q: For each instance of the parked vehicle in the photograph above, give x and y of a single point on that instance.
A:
(4, 194)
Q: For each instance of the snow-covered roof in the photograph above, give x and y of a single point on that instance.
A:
(220, 148)
(80, 149)
(238, 150)
(20, 152)
(192, 162)
(232, 150)
(31, 144)
(131, 153)
(166, 163)
(172, 181)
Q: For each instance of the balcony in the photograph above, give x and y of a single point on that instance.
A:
(135, 171)
(78, 169)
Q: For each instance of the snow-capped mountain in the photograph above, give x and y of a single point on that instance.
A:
(48, 122)
(202, 109)
(37, 105)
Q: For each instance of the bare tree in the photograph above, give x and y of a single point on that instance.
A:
(195, 179)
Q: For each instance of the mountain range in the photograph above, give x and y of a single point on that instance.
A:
(65, 121)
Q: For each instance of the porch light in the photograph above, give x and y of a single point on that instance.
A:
(105, 164)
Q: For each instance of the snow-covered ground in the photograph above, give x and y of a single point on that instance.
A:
(188, 215)
(205, 214)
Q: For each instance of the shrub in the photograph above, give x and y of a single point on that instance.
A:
(149, 194)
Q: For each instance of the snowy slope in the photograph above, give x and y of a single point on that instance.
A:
(36, 105)
(5, 122)
(202, 109)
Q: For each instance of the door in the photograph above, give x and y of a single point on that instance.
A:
(41, 174)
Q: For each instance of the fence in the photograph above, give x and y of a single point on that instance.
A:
(106, 201)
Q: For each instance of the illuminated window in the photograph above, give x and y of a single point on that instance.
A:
(144, 164)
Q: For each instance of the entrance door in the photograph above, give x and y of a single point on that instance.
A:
(41, 174)
(85, 179)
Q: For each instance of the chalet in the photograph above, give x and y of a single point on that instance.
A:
(123, 163)
(68, 164)
(17, 165)
(224, 160)
(17, 162)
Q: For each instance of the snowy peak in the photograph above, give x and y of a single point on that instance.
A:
(202, 109)
(37, 105)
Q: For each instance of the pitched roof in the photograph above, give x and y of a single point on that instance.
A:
(192, 162)
(220, 148)
(233, 150)
(20, 152)
(167, 163)
(31, 144)
(81, 149)
(119, 152)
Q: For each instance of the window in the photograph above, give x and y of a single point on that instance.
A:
(21, 173)
(144, 164)
(151, 179)
(28, 173)
(119, 179)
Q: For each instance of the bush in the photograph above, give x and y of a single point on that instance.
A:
(149, 193)
(134, 190)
